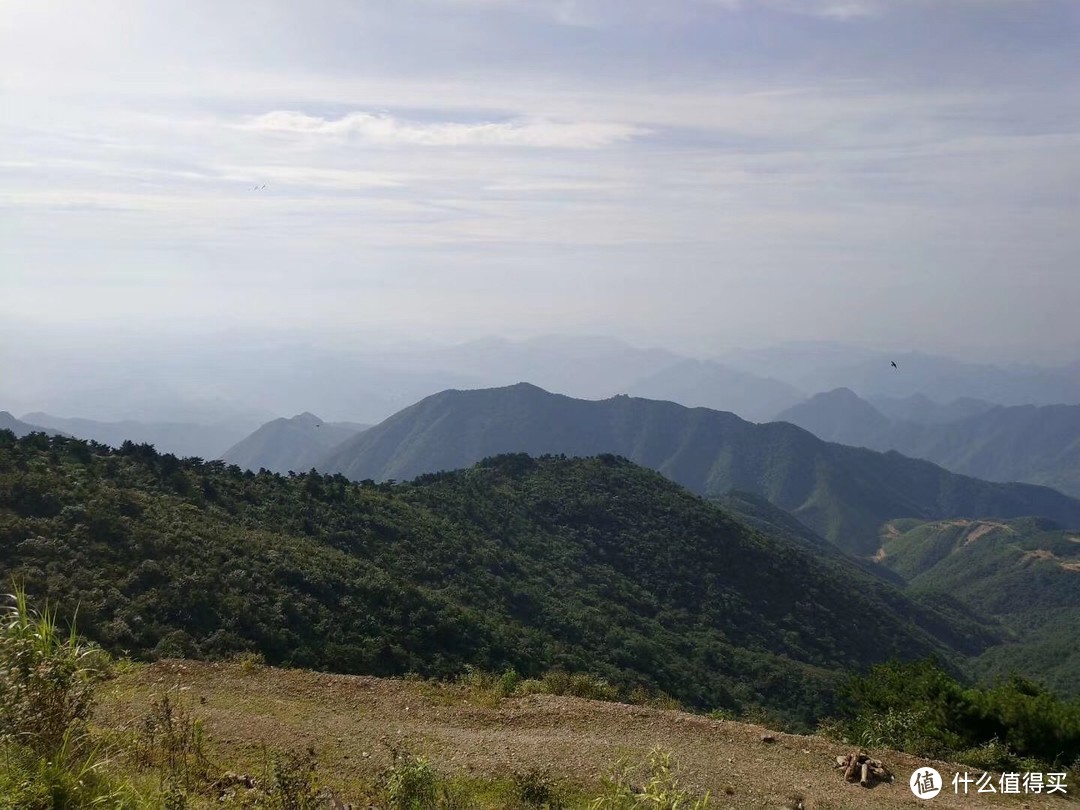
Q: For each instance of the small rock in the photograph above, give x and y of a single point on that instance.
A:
(768, 738)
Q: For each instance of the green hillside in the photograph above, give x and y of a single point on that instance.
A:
(843, 493)
(1025, 573)
(592, 565)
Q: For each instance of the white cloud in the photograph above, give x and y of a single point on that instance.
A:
(386, 130)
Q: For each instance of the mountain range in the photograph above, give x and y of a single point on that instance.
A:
(1034, 444)
(843, 493)
(811, 366)
(224, 380)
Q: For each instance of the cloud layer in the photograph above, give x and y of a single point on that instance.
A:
(705, 172)
(386, 130)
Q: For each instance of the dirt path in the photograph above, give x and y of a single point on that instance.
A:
(470, 733)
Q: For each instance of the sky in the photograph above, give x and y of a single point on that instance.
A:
(699, 174)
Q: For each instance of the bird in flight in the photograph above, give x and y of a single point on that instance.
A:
(895, 366)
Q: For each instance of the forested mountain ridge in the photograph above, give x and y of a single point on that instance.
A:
(1029, 443)
(587, 564)
(843, 493)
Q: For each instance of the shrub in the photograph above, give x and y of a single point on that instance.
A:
(292, 782)
(534, 788)
(410, 783)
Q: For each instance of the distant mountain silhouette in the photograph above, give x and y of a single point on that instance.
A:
(22, 428)
(294, 444)
(702, 384)
(813, 366)
(1033, 444)
(840, 416)
(182, 439)
(843, 493)
(922, 410)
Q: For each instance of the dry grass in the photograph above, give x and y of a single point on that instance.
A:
(353, 723)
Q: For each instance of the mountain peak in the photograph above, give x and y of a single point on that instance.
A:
(707, 451)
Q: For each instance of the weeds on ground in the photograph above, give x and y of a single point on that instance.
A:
(410, 782)
(492, 687)
(660, 791)
(170, 741)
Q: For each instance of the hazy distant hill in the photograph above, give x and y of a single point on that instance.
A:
(700, 384)
(844, 493)
(840, 416)
(823, 366)
(1035, 444)
(581, 366)
(20, 427)
(592, 565)
(922, 410)
(1039, 444)
(179, 438)
(295, 444)
(1024, 572)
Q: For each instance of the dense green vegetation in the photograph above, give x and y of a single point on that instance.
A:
(589, 565)
(1014, 725)
(843, 493)
(1024, 573)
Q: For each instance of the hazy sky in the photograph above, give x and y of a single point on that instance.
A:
(691, 172)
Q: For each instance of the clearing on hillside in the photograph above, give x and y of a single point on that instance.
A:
(471, 733)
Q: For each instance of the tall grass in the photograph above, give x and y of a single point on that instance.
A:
(47, 677)
(47, 680)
